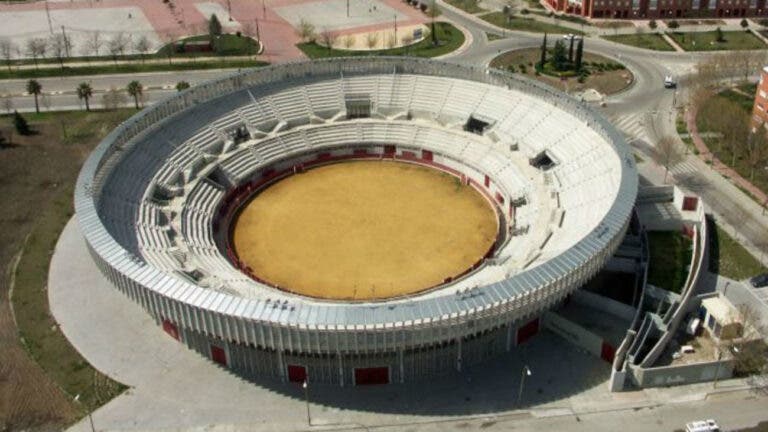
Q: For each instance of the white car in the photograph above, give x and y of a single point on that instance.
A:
(669, 82)
(702, 426)
(570, 36)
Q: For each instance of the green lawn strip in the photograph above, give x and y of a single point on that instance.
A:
(39, 333)
(729, 258)
(225, 45)
(449, 36)
(707, 41)
(525, 24)
(670, 258)
(128, 68)
(651, 41)
(469, 6)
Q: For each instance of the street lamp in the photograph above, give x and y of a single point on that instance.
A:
(526, 371)
(306, 398)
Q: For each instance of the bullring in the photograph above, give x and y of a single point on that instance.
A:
(157, 199)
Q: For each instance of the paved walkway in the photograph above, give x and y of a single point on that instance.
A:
(174, 388)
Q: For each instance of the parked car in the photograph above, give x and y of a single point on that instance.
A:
(702, 426)
(759, 281)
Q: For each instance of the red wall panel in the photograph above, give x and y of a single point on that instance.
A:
(527, 331)
(370, 376)
(218, 355)
(297, 373)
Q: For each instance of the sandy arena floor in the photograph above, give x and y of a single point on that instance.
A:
(364, 230)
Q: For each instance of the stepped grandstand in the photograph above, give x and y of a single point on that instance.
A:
(157, 199)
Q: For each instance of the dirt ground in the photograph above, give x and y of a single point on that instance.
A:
(606, 82)
(364, 230)
(33, 171)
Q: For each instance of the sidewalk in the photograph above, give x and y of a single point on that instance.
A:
(173, 387)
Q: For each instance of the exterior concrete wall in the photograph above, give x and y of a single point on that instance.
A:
(254, 363)
(683, 374)
(574, 333)
(605, 304)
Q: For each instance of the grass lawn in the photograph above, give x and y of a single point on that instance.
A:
(670, 258)
(606, 75)
(728, 258)
(38, 204)
(225, 45)
(470, 6)
(128, 68)
(749, 88)
(707, 41)
(710, 109)
(449, 36)
(525, 24)
(651, 41)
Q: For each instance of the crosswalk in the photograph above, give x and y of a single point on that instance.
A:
(634, 126)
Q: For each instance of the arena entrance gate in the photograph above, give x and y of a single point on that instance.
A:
(371, 375)
(297, 373)
(527, 331)
(218, 355)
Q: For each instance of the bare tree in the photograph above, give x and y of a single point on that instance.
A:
(668, 154)
(142, 46)
(6, 100)
(407, 40)
(58, 44)
(113, 99)
(757, 151)
(168, 45)
(371, 40)
(750, 352)
(328, 39)
(6, 51)
(306, 31)
(36, 48)
(391, 40)
(733, 124)
(117, 45)
(349, 41)
(746, 62)
(93, 44)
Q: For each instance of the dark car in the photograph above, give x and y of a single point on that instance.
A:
(759, 281)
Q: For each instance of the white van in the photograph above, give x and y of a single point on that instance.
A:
(669, 82)
(702, 426)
